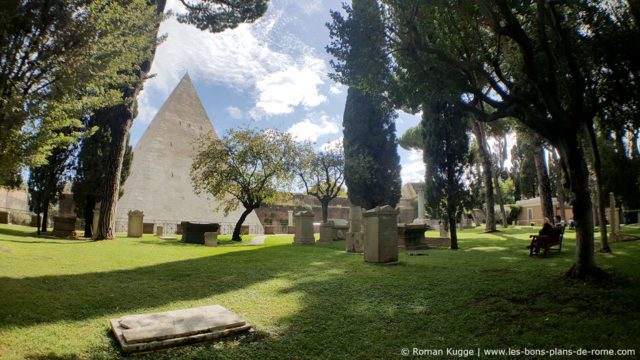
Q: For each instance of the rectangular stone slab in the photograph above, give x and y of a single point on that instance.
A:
(162, 344)
(176, 323)
(146, 332)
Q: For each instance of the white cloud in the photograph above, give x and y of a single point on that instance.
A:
(336, 89)
(307, 130)
(235, 112)
(333, 144)
(412, 172)
(280, 69)
(296, 85)
(415, 155)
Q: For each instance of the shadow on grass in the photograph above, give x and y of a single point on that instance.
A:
(348, 308)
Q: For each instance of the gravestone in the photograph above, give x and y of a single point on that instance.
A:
(303, 228)
(211, 239)
(411, 236)
(147, 228)
(340, 228)
(269, 229)
(147, 332)
(96, 219)
(355, 233)
(134, 226)
(160, 231)
(35, 221)
(326, 232)
(444, 233)
(381, 235)
(4, 217)
(194, 233)
(64, 226)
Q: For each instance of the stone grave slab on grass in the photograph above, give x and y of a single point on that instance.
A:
(147, 332)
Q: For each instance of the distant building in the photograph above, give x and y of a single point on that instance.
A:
(531, 211)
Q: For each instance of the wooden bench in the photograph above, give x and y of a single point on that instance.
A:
(546, 242)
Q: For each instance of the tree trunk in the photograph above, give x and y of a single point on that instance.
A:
(89, 205)
(573, 160)
(38, 222)
(500, 200)
(601, 200)
(45, 218)
(560, 186)
(487, 174)
(544, 186)
(325, 210)
(120, 126)
(453, 232)
(236, 230)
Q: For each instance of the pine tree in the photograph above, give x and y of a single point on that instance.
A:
(372, 164)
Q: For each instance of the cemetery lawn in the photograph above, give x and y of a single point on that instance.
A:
(56, 297)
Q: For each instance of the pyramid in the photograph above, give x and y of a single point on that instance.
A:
(159, 183)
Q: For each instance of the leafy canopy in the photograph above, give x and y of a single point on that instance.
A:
(247, 167)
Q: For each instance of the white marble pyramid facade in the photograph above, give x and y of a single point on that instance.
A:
(159, 183)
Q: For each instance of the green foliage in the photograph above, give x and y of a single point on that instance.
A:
(219, 15)
(245, 167)
(89, 164)
(47, 181)
(514, 212)
(81, 53)
(446, 156)
(322, 175)
(372, 164)
(413, 138)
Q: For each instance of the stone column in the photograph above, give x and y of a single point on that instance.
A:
(96, 218)
(613, 216)
(290, 228)
(303, 228)
(381, 235)
(421, 204)
(134, 227)
(326, 232)
(355, 235)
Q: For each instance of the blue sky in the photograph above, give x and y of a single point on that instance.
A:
(269, 74)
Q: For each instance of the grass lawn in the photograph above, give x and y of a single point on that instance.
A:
(56, 297)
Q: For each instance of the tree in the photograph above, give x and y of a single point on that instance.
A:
(532, 61)
(89, 172)
(372, 164)
(487, 173)
(322, 174)
(214, 15)
(445, 153)
(61, 60)
(46, 182)
(245, 167)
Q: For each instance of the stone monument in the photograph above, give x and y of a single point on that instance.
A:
(304, 228)
(160, 184)
(134, 227)
(64, 226)
(381, 235)
(211, 239)
(96, 219)
(160, 231)
(326, 232)
(355, 233)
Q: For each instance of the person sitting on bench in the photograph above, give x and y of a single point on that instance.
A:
(558, 221)
(546, 230)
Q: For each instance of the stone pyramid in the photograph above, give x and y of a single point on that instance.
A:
(159, 183)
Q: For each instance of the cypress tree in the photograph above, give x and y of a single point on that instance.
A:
(372, 164)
